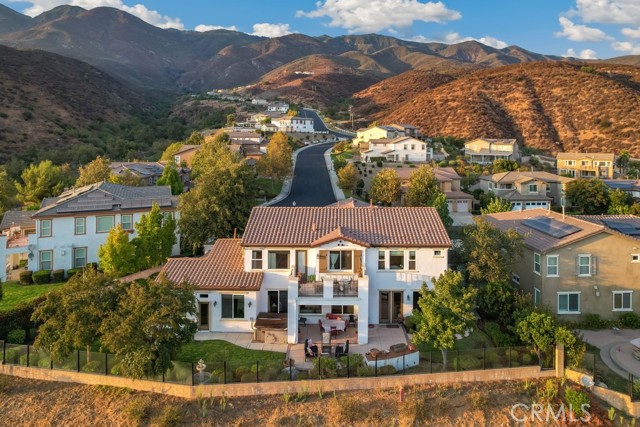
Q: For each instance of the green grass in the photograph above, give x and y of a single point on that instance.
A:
(15, 293)
(476, 340)
(270, 190)
(219, 351)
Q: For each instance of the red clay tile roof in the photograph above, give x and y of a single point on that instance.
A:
(377, 226)
(221, 269)
(341, 233)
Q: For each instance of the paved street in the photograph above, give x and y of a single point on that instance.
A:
(311, 184)
(318, 124)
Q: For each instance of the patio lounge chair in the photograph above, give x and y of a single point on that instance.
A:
(309, 352)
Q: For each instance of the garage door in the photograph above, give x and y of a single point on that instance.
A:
(463, 206)
(535, 205)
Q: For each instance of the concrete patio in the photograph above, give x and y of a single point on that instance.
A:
(615, 350)
(241, 339)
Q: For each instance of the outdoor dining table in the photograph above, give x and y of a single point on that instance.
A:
(339, 324)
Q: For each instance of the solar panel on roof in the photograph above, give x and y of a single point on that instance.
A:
(630, 227)
(551, 227)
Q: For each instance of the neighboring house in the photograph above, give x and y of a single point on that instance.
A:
(15, 228)
(450, 184)
(184, 155)
(391, 131)
(629, 186)
(294, 124)
(527, 190)
(248, 144)
(71, 227)
(586, 165)
(278, 107)
(148, 172)
(400, 149)
(577, 265)
(269, 127)
(367, 263)
(485, 151)
(245, 138)
(259, 101)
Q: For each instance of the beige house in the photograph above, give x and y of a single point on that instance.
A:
(577, 265)
(586, 165)
(450, 185)
(386, 132)
(400, 149)
(485, 151)
(527, 190)
(185, 154)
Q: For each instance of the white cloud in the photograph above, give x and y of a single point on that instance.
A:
(580, 33)
(370, 16)
(152, 17)
(203, 28)
(627, 47)
(271, 30)
(453, 38)
(609, 11)
(631, 33)
(584, 54)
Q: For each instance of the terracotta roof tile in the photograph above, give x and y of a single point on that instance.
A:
(221, 269)
(377, 226)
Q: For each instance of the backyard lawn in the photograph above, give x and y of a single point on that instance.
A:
(15, 293)
(476, 340)
(220, 351)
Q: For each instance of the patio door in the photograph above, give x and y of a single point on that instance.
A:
(301, 263)
(203, 317)
(390, 307)
(277, 301)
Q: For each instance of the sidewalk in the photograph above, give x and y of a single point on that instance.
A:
(337, 192)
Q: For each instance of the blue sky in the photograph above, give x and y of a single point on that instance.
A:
(581, 28)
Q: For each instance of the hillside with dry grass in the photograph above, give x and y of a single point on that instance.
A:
(550, 106)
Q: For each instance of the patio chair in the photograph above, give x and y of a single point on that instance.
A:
(343, 351)
(310, 352)
(334, 331)
(320, 324)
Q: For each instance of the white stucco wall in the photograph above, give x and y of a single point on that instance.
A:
(217, 323)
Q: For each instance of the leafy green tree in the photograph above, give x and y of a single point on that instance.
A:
(150, 325)
(171, 177)
(504, 165)
(622, 162)
(71, 316)
(496, 205)
(489, 253)
(445, 310)
(95, 171)
(591, 196)
(156, 237)
(118, 254)
(348, 177)
(231, 119)
(221, 200)
(537, 329)
(126, 178)
(620, 202)
(171, 151)
(385, 187)
(440, 203)
(277, 162)
(7, 193)
(293, 111)
(423, 187)
(574, 347)
(42, 180)
(497, 300)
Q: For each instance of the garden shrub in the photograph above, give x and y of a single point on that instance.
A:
(249, 377)
(328, 366)
(26, 277)
(364, 371)
(630, 321)
(499, 338)
(575, 399)
(594, 321)
(170, 416)
(387, 370)
(17, 336)
(91, 366)
(57, 276)
(41, 277)
(379, 163)
(466, 362)
(72, 271)
(138, 409)
(116, 370)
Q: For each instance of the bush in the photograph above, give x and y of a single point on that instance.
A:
(499, 338)
(630, 321)
(72, 271)
(170, 417)
(249, 377)
(26, 277)
(41, 277)
(379, 163)
(19, 317)
(594, 321)
(364, 371)
(17, 336)
(138, 409)
(57, 276)
(92, 366)
(387, 370)
(575, 399)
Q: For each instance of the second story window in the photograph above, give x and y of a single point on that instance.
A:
(340, 260)
(533, 188)
(412, 260)
(552, 266)
(45, 228)
(396, 260)
(278, 260)
(536, 263)
(256, 260)
(583, 265)
(80, 226)
(381, 260)
(104, 224)
(126, 222)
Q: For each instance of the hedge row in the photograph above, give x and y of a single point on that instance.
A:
(19, 317)
(48, 276)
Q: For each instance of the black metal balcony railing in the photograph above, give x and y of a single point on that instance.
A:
(346, 288)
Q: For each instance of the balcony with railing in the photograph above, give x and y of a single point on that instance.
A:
(329, 286)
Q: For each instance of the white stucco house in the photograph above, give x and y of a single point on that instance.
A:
(278, 107)
(71, 227)
(293, 124)
(365, 263)
(401, 149)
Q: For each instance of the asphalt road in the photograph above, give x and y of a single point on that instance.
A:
(311, 183)
(318, 124)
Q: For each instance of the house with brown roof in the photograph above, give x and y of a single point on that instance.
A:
(15, 228)
(184, 156)
(527, 190)
(487, 150)
(586, 165)
(392, 131)
(450, 184)
(400, 149)
(362, 263)
(577, 265)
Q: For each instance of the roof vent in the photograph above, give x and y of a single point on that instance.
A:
(314, 227)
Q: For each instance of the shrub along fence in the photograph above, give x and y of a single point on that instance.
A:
(602, 375)
(260, 371)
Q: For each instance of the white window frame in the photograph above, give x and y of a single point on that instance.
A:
(404, 256)
(42, 228)
(537, 296)
(255, 259)
(79, 222)
(568, 295)
(113, 222)
(233, 306)
(382, 256)
(50, 252)
(130, 228)
(412, 260)
(537, 263)
(635, 258)
(535, 188)
(515, 278)
(622, 293)
(588, 257)
(339, 261)
(437, 253)
(557, 266)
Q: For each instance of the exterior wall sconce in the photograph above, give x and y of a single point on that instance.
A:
(250, 303)
(408, 297)
(215, 303)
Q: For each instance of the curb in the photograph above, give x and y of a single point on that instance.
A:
(333, 177)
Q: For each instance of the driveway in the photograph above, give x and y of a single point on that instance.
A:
(311, 184)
